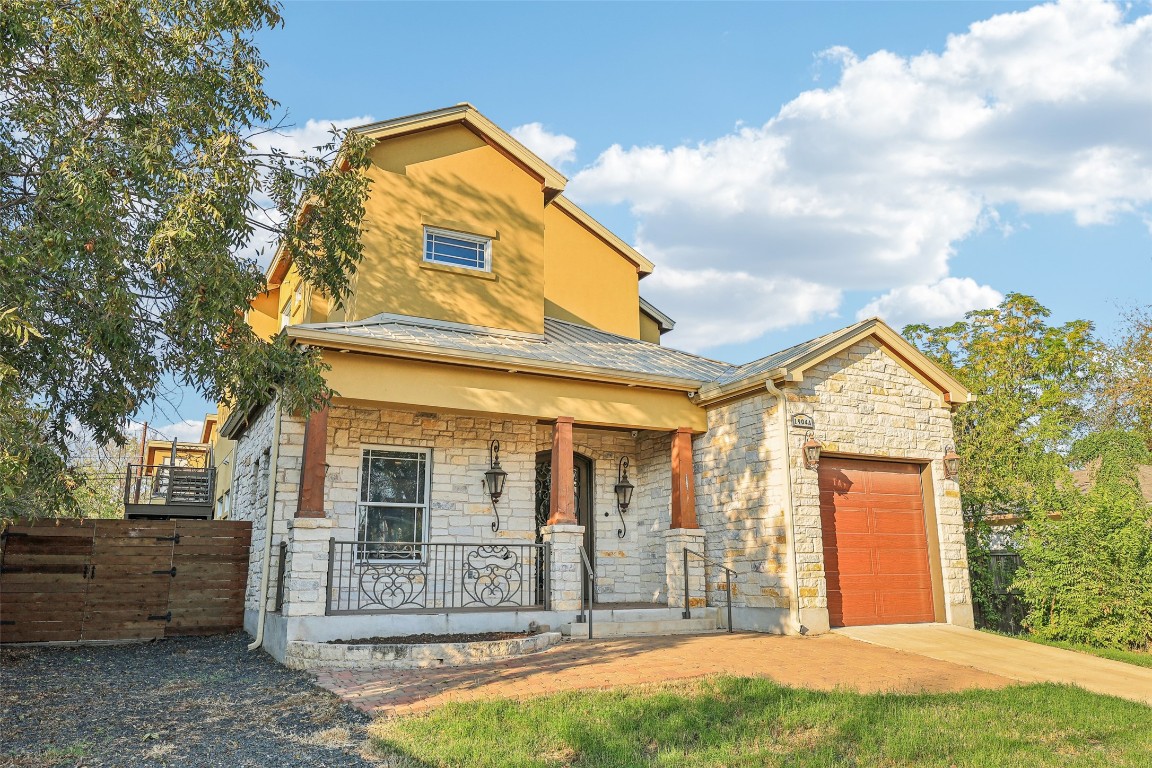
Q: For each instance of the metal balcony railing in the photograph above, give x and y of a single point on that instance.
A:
(162, 484)
(425, 577)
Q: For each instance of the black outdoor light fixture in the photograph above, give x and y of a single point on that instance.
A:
(951, 462)
(494, 479)
(623, 495)
(811, 450)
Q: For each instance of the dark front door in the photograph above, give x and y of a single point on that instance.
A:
(582, 485)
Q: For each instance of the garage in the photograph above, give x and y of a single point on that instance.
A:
(875, 546)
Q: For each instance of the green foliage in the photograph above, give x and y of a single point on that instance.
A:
(1088, 574)
(1031, 380)
(129, 181)
(1124, 396)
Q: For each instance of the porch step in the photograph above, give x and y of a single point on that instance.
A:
(644, 621)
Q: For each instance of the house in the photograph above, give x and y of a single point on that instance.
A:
(508, 422)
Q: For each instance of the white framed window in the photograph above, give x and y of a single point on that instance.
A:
(457, 249)
(286, 314)
(393, 510)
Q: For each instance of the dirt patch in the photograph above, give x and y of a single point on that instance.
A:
(461, 637)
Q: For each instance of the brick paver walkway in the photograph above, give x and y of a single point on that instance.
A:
(826, 662)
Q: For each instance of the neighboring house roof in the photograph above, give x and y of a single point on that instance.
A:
(1085, 478)
(662, 320)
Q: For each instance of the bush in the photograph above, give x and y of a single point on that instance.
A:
(1087, 576)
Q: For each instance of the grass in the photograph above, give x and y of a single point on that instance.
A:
(738, 722)
(1139, 658)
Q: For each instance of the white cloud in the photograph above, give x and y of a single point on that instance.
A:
(872, 183)
(556, 149)
(938, 303)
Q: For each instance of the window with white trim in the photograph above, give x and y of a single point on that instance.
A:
(457, 249)
(393, 510)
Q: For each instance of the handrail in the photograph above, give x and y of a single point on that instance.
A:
(729, 578)
(590, 591)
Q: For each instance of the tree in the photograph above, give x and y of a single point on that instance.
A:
(1031, 380)
(1124, 397)
(1088, 573)
(129, 182)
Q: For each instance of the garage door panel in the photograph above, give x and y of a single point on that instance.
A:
(846, 522)
(875, 543)
(908, 522)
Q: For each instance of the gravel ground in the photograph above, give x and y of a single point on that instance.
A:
(188, 702)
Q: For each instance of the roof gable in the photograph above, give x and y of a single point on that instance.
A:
(791, 364)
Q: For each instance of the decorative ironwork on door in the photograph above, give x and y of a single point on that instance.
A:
(544, 489)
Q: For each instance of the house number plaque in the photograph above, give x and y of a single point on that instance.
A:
(803, 421)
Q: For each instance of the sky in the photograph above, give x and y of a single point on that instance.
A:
(790, 167)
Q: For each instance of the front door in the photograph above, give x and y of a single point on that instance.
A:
(582, 485)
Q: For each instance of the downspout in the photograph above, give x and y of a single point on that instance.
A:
(273, 456)
(789, 512)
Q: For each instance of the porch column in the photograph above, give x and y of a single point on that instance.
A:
(306, 567)
(683, 481)
(675, 542)
(566, 570)
(562, 496)
(310, 502)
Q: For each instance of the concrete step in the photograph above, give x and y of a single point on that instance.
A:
(631, 622)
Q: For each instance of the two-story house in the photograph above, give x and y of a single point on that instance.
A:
(508, 424)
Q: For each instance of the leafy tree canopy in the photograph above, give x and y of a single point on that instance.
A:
(129, 182)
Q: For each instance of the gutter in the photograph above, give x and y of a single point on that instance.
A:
(269, 513)
(789, 511)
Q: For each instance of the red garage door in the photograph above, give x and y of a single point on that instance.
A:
(875, 548)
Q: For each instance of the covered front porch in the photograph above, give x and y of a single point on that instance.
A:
(395, 528)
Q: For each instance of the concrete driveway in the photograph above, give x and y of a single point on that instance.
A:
(1015, 659)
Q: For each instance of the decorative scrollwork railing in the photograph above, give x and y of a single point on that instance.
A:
(382, 577)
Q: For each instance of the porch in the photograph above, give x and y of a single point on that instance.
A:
(395, 529)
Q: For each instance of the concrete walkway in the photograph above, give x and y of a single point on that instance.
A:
(827, 662)
(1015, 659)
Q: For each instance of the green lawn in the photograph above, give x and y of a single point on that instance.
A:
(734, 722)
(1128, 657)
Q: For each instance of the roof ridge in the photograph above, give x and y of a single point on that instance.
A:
(631, 340)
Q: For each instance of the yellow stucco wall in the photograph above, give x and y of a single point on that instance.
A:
(410, 383)
(450, 178)
(649, 329)
(586, 281)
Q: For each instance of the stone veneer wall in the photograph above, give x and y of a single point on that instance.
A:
(250, 486)
(864, 404)
(459, 505)
(740, 502)
(629, 569)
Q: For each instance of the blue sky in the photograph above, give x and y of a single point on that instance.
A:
(789, 167)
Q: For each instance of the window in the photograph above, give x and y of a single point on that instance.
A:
(456, 249)
(286, 314)
(393, 502)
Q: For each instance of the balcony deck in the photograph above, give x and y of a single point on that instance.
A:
(161, 492)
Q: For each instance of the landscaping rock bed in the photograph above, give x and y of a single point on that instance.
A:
(201, 702)
(413, 655)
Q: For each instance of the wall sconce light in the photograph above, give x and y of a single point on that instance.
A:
(811, 450)
(951, 462)
(494, 479)
(623, 495)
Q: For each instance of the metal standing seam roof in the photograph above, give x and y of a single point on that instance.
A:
(561, 342)
(570, 344)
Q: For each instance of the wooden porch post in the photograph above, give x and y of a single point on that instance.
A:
(562, 496)
(683, 481)
(310, 502)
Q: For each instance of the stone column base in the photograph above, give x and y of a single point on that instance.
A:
(675, 542)
(565, 569)
(306, 568)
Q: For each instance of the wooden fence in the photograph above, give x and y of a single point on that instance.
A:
(72, 580)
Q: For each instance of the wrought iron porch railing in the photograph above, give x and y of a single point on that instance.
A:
(729, 577)
(426, 577)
